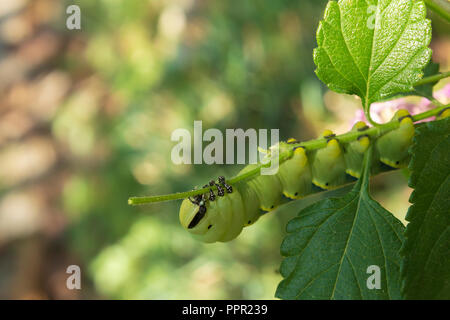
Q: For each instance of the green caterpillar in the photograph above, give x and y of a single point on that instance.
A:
(221, 215)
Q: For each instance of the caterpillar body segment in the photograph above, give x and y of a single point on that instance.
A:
(393, 146)
(328, 164)
(269, 197)
(295, 175)
(222, 216)
(251, 203)
(354, 152)
(236, 208)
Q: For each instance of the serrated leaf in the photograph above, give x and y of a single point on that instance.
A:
(426, 267)
(373, 48)
(425, 90)
(331, 244)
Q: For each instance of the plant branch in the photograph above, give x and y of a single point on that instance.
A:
(311, 145)
(433, 78)
(441, 7)
(369, 118)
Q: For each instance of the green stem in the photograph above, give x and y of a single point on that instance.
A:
(308, 145)
(441, 7)
(429, 113)
(183, 195)
(432, 79)
(283, 157)
(369, 118)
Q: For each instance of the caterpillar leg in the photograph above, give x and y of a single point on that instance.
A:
(220, 191)
(212, 195)
(225, 185)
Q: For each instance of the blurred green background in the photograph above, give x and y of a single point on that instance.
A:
(86, 119)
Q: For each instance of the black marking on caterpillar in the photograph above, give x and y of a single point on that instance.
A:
(404, 117)
(220, 191)
(362, 136)
(442, 112)
(198, 217)
(363, 128)
(200, 201)
(226, 186)
(212, 196)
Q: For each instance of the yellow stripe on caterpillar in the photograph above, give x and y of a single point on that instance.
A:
(443, 114)
(292, 196)
(325, 186)
(353, 173)
(360, 126)
(299, 151)
(363, 143)
(267, 209)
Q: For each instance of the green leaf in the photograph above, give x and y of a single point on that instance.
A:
(373, 48)
(426, 267)
(425, 90)
(331, 244)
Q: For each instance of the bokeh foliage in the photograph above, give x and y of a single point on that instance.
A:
(230, 64)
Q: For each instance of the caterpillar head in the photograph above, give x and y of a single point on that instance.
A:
(198, 220)
(211, 221)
